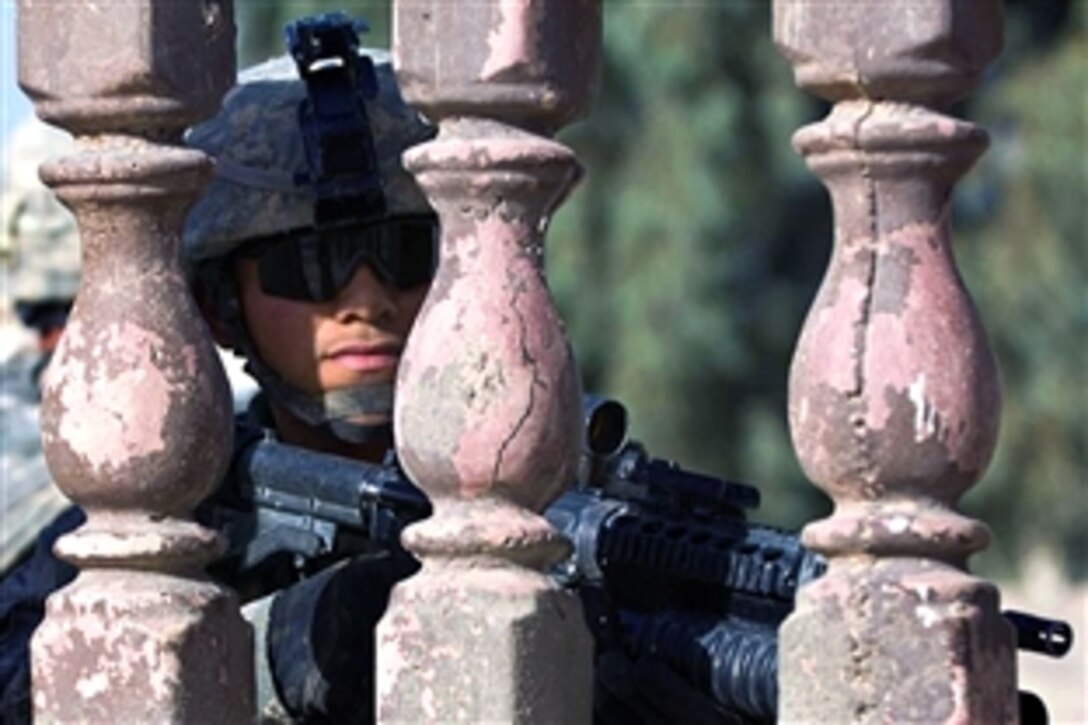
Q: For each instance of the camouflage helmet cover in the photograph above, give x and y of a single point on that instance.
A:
(257, 145)
(39, 240)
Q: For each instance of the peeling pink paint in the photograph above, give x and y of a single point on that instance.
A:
(134, 635)
(510, 43)
(122, 398)
(830, 345)
(905, 354)
(894, 397)
(508, 365)
(135, 414)
(488, 406)
(511, 371)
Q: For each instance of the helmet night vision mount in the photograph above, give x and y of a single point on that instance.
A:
(336, 131)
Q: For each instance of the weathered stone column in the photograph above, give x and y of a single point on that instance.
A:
(488, 395)
(136, 410)
(894, 393)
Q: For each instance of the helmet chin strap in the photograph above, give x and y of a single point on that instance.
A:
(334, 411)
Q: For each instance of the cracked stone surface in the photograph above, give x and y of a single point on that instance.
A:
(136, 411)
(894, 395)
(488, 410)
(498, 413)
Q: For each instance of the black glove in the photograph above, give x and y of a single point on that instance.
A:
(321, 638)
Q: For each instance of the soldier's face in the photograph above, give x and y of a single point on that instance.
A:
(355, 339)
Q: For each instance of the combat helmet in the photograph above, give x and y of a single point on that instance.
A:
(259, 154)
(39, 240)
(271, 183)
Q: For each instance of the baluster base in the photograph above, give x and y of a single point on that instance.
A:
(454, 617)
(897, 640)
(129, 646)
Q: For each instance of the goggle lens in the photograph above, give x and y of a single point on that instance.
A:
(315, 266)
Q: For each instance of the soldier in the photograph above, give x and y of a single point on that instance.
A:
(318, 296)
(39, 251)
(318, 300)
(281, 292)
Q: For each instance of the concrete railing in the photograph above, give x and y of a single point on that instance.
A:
(894, 394)
(488, 404)
(136, 410)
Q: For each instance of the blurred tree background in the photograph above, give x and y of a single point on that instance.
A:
(685, 263)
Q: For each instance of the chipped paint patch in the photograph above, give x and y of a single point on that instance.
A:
(831, 342)
(925, 415)
(508, 396)
(115, 404)
(898, 524)
(127, 647)
(925, 592)
(510, 43)
(927, 615)
(95, 684)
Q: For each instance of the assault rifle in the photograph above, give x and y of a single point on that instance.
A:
(669, 569)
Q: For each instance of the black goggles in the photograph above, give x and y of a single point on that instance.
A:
(315, 265)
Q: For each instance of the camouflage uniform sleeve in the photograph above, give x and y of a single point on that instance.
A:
(26, 511)
(30, 500)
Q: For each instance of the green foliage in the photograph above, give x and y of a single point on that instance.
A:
(1027, 265)
(685, 263)
(261, 24)
(666, 263)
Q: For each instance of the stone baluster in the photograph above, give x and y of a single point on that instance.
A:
(488, 404)
(894, 393)
(136, 411)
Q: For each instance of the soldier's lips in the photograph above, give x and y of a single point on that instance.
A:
(367, 363)
(364, 358)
